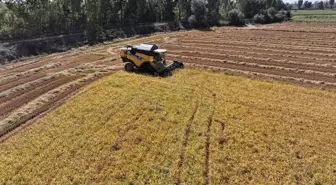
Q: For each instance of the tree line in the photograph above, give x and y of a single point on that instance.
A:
(315, 5)
(27, 18)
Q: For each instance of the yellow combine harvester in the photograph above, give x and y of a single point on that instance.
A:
(148, 58)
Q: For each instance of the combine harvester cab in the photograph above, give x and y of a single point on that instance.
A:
(148, 58)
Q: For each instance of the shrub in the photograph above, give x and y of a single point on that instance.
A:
(288, 14)
(278, 17)
(192, 20)
(259, 18)
(251, 7)
(272, 11)
(236, 17)
(268, 18)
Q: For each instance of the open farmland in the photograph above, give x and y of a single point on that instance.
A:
(327, 15)
(33, 86)
(302, 53)
(196, 127)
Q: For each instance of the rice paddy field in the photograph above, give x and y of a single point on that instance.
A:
(327, 15)
(255, 105)
(196, 127)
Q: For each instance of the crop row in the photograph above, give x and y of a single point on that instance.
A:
(321, 50)
(253, 61)
(262, 40)
(258, 49)
(309, 73)
(277, 59)
(260, 74)
(272, 72)
(316, 38)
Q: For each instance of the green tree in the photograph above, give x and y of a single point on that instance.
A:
(307, 4)
(300, 4)
(331, 3)
(213, 10)
(169, 6)
(321, 5)
(184, 9)
(199, 10)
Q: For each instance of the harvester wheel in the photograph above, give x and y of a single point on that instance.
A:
(129, 67)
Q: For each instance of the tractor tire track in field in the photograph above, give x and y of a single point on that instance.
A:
(185, 144)
(222, 139)
(122, 135)
(208, 142)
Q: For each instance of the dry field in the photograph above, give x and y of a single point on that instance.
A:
(196, 127)
(296, 52)
(33, 86)
(262, 127)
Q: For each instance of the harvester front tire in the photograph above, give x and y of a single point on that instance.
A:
(129, 67)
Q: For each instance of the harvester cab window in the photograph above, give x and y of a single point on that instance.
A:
(160, 57)
(133, 51)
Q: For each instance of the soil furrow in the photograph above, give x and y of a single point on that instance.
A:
(262, 75)
(266, 37)
(27, 67)
(291, 59)
(54, 69)
(256, 68)
(263, 40)
(28, 88)
(324, 50)
(17, 82)
(21, 100)
(256, 49)
(323, 70)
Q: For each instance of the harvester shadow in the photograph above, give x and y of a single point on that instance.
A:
(146, 73)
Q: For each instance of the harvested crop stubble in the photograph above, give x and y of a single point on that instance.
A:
(196, 127)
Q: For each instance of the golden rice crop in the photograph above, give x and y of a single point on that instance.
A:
(196, 127)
